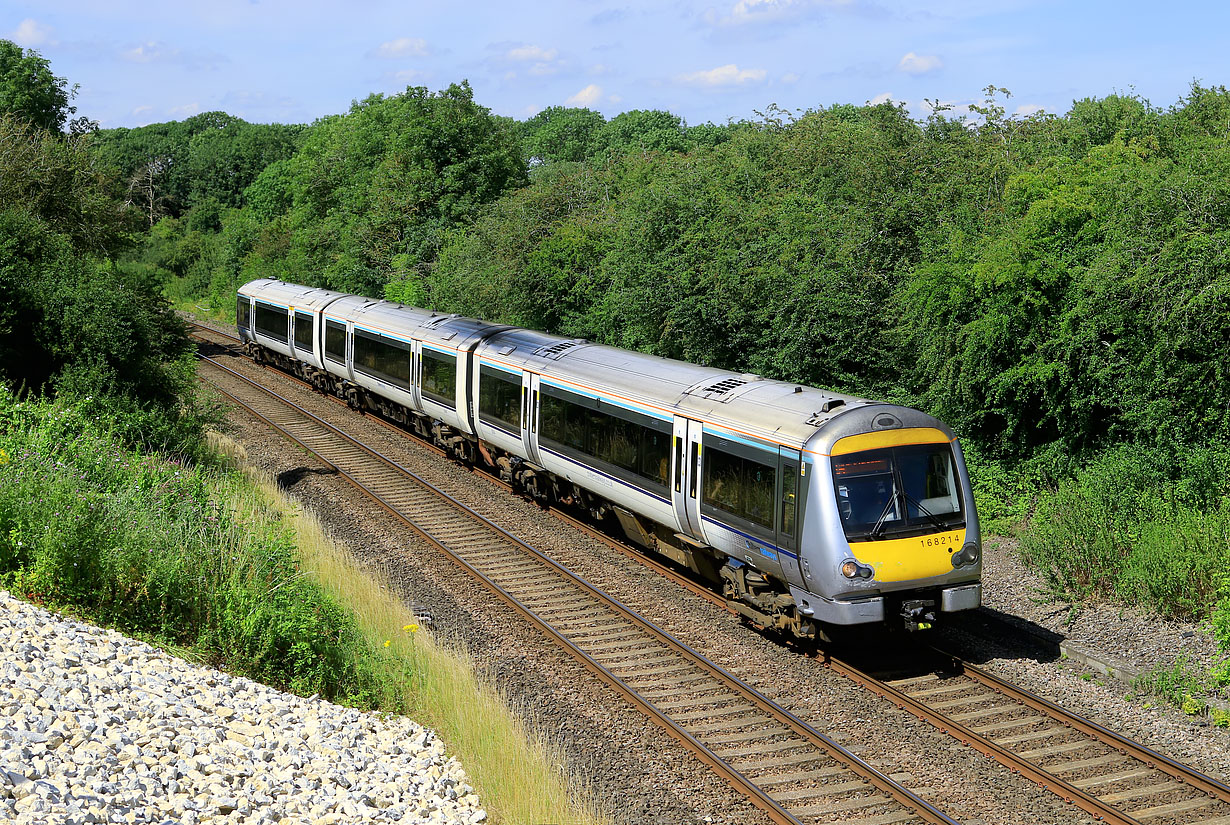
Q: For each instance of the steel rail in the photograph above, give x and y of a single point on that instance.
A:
(757, 795)
(968, 737)
(1158, 761)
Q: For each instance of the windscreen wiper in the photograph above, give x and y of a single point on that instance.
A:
(943, 525)
(878, 528)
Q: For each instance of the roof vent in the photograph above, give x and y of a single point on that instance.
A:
(557, 349)
(724, 386)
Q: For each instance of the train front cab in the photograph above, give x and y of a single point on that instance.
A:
(895, 536)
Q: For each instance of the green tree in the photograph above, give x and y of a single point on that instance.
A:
(643, 130)
(373, 193)
(57, 179)
(28, 89)
(560, 133)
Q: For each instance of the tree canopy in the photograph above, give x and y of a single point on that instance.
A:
(1047, 284)
(29, 91)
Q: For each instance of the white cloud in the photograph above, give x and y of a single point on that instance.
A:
(140, 110)
(155, 52)
(766, 11)
(30, 33)
(187, 110)
(751, 8)
(728, 75)
(883, 97)
(147, 53)
(403, 47)
(919, 63)
(1027, 109)
(790, 77)
(543, 62)
(536, 53)
(588, 96)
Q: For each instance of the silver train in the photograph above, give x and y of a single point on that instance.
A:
(810, 509)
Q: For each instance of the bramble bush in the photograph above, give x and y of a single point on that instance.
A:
(178, 553)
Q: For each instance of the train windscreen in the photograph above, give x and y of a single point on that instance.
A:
(898, 491)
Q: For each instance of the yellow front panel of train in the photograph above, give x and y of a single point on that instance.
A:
(918, 557)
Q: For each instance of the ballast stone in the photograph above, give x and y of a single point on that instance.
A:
(98, 728)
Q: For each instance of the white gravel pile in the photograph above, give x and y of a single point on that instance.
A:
(96, 727)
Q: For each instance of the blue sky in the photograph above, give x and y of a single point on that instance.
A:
(705, 60)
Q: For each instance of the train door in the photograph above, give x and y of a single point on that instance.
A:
(686, 475)
(789, 511)
(350, 349)
(416, 373)
(529, 415)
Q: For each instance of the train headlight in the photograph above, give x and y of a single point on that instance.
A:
(853, 570)
(968, 554)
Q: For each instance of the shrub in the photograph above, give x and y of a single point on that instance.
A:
(1136, 526)
(183, 554)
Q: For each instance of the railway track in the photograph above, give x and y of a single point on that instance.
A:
(1111, 778)
(794, 773)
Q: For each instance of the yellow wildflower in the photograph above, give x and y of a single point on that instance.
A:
(4, 456)
(387, 642)
(410, 628)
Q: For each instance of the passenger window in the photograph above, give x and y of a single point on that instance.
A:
(382, 357)
(499, 397)
(636, 444)
(740, 486)
(303, 331)
(272, 321)
(440, 377)
(335, 341)
(790, 481)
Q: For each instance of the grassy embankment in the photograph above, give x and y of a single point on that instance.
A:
(213, 565)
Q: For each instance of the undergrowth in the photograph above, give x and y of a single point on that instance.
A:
(1140, 528)
(178, 553)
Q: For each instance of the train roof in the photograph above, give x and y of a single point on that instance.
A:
(294, 296)
(773, 410)
(453, 332)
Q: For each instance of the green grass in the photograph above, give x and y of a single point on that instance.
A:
(1185, 685)
(1144, 528)
(170, 551)
(197, 558)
